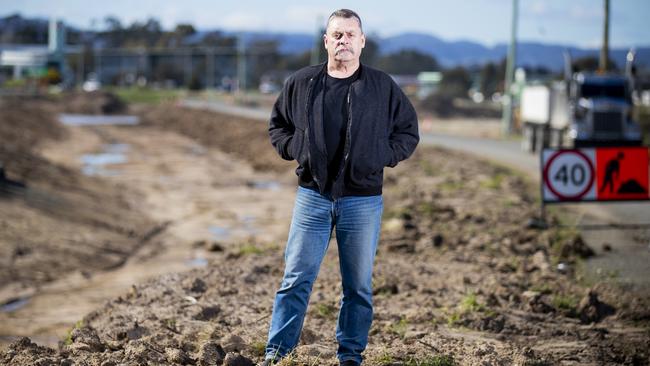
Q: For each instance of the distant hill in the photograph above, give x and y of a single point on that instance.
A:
(465, 53)
(472, 53)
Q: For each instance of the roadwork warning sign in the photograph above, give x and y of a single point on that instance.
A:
(595, 174)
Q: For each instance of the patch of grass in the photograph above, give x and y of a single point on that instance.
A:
(557, 240)
(399, 328)
(536, 363)
(493, 182)
(146, 95)
(68, 338)
(564, 302)
(327, 311)
(453, 319)
(427, 168)
(470, 304)
(426, 209)
(451, 186)
(385, 359)
(543, 289)
(258, 347)
(436, 360)
(249, 249)
(396, 212)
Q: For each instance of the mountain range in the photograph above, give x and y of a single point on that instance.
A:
(465, 53)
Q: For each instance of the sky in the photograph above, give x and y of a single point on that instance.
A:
(566, 22)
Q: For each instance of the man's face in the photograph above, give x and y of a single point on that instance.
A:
(344, 39)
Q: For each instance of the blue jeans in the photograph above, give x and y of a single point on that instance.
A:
(357, 220)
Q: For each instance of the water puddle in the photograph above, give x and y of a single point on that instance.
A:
(248, 225)
(197, 262)
(95, 164)
(244, 228)
(196, 150)
(14, 304)
(219, 233)
(97, 120)
(265, 185)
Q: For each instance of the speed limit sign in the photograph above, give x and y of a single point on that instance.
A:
(568, 175)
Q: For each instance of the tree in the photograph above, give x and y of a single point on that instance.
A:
(455, 83)
(407, 62)
(490, 79)
(370, 53)
(590, 64)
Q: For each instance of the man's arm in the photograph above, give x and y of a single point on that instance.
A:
(404, 137)
(281, 128)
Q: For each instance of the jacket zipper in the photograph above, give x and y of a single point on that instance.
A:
(348, 139)
(307, 111)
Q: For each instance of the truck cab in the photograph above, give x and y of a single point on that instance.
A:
(600, 111)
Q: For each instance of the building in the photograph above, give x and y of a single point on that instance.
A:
(27, 61)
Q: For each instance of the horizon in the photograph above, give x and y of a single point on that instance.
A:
(550, 22)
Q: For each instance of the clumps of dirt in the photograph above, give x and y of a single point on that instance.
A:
(244, 138)
(26, 352)
(592, 310)
(95, 102)
(459, 279)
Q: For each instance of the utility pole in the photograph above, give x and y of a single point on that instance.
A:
(241, 65)
(604, 51)
(209, 68)
(506, 121)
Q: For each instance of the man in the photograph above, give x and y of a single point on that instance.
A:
(343, 122)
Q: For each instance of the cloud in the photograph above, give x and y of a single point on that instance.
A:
(584, 13)
(539, 8)
(243, 21)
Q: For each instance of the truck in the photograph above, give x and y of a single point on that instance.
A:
(583, 110)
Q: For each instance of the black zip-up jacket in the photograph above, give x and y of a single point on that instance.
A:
(382, 130)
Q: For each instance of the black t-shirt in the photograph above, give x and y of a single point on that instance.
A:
(335, 118)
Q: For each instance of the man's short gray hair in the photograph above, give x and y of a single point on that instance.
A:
(347, 14)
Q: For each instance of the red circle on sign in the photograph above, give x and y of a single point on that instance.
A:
(560, 195)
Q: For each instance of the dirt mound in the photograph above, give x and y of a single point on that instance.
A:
(244, 138)
(55, 220)
(96, 102)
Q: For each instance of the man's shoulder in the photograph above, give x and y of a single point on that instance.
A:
(377, 74)
(305, 73)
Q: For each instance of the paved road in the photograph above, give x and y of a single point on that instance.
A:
(629, 259)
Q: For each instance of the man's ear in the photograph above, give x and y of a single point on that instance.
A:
(325, 40)
(363, 40)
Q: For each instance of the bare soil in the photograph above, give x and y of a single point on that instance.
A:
(460, 278)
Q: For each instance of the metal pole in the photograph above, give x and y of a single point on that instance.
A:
(80, 67)
(604, 51)
(506, 121)
(241, 65)
(209, 66)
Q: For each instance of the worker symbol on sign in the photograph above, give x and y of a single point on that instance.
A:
(612, 172)
(623, 173)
